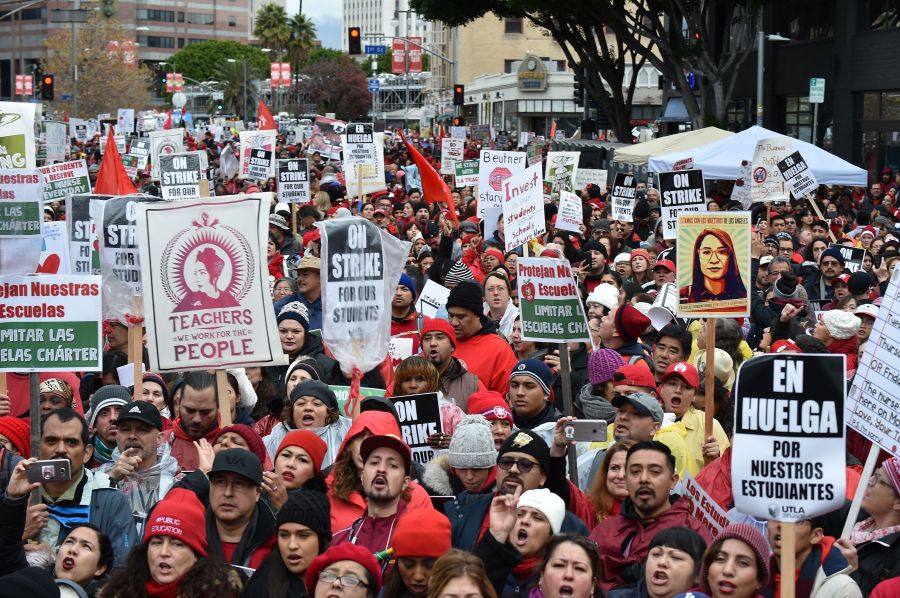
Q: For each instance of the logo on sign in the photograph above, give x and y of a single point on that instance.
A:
(498, 175)
(760, 174)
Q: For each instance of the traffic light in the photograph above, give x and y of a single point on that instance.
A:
(108, 9)
(354, 41)
(459, 92)
(47, 87)
(458, 121)
(578, 94)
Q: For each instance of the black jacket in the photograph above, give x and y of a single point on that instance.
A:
(878, 560)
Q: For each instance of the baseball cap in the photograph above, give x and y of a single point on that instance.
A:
(667, 264)
(141, 411)
(686, 371)
(390, 441)
(643, 403)
(867, 309)
(843, 278)
(764, 260)
(634, 374)
(239, 461)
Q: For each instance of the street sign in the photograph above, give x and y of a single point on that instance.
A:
(374, 85)
(66, 97)
(816, 90)
(376, 50)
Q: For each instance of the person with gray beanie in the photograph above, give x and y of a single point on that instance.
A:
(469, 463)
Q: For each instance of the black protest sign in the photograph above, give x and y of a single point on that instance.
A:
(84, 257)
(141, 149)
(260, 164)
(179, 176)
(293, 181)
(679, 191)
(360, 133)
(420, 417)
(789, 455)
(798, 175)
(853, 256)
(622, 198)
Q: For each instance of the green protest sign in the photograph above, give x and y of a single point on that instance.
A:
(548, 301)
(342, 392)
(21, 213)
(65, 179)
(466, 173)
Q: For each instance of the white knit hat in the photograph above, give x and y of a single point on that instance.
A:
(841, 324)
(472, 444)
(606, 295)
(548, 503)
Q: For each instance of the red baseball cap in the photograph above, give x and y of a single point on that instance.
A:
(634, 374)
(685, 371)
(844, 278)
(667, 264)
(390, 441)
(784, 346)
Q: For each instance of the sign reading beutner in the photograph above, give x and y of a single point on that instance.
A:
(789, 457)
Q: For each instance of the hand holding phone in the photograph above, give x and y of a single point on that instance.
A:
(50, 470)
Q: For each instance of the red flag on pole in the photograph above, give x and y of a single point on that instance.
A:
(433, 186)
(168, 124)
(264, 120)
(112, 178)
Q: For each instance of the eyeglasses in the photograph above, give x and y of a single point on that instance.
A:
(877, 479)
(523, 465)
(830, 263)
(347, 581)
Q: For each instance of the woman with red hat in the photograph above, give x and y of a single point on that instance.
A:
(420, 538)
(349, 567)
(298, 464)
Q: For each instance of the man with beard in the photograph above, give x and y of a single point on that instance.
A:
(438, 345)
(106, 403)
(385, 480)
(623, 540)
(197, 417)
(819, 285)
(137, 468)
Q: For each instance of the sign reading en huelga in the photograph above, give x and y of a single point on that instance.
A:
(50, 323)
(789, 452)
(293, 181)
(798, 175)
(548, 300)
(206, 294)
(420, 417)
(64, 179)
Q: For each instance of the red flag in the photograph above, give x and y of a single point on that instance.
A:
(112, 178)
(264, 120)
(168, 124)
(433, 186)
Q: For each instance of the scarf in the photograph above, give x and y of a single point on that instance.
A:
(863, 532)
(102, 453)
(155, 590)
(69, 516)
(525, 568)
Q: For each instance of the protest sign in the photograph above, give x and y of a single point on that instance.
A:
(125, 120)
(704, 508)
(78, 129)
(259, 167)
(207, 301)
(874, 407)
(853, 256)
(164, 143)
(363, 159)
(420, 417)
(50, 323)
(679, 192)
(493, 169)
(481, 133)
(130, 164)
(65, 179)
(466, 173)
(20, 220)
(433, 297)
(140, 149)
(788, 456)
(767, 184)
(343, 392)
(523, 207)
(179, 176)
(293, 181)
(741, 190)
(623, 196)
(798, 175)
(714, 274)
(562, 167)
(325, 138)
(120, 264)
(590, 176)
(401, 347)
(452, 151)
(534, 150)
(260, 161)
(54, 250)
(502, 141)
(549, 304)
(458, 132)
(56, 140)
(84, 254)
(569, 216)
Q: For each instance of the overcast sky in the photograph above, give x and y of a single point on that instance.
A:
(326, 14)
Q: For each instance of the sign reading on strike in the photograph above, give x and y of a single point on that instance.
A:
(789, 452)
(420, 417)
(679, 191)
(548, 301)
(798, 175)
(179, 176)
(260, 164)
(50, 323)
(293, 181)
(623, 196)
(84, 254)
(853, 256)
(523, 207)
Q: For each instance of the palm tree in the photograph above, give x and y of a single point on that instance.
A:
(231, 76)
(303, 38)
(273, 29)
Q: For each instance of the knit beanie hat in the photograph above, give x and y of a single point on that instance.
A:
(602, 364)
(253, 440)
(891, 469)
(309, 442)
(307, 364)
(548, 503)
(528, 442)
(640, 253)
(841, 324)
(309, 508)
(472, 444)
(786, 288)
(18, 433)
(594, 246)
(179, 515)
(832, 252)
(466, 295)
(605, 294)
(107, 396)
(458, 273)
(749, 535)
(407, 281)
(316, 389)
(421, 533)
(438, 325)
(489, 404)
(630, 323)
(295, 311)
(156, 378)
(345, 552)
(536, 369)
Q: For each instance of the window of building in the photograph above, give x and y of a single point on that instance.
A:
(737, 115)
(880, 15)
(201, 18)
(154, 41)
(181, 42)
(165, 16)
(798, 117)
(510, 66)
(232, 21)
(181, 17)
(513, 26)
(560, 66)
(806, 20)
(32, 14)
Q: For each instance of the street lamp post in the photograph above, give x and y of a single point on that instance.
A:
(761, 38)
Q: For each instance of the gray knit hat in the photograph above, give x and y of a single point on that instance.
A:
(472, 444)
(107, 396)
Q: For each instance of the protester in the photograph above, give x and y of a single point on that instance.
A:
(420, 538)
(877, 538)
(197, 417)
(608, 489)
(105, 407)
(736, 565)
(459, 574)
(438, 342)
(672, 567)
(350, 567)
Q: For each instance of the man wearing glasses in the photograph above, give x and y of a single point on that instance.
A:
(819, 285)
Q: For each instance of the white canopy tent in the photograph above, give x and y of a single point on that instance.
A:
(639, 153)
(722, 159)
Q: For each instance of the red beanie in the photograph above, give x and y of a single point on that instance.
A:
(630, 323)
(179, 515)
(494, 252)
(344, 552)
(438, 325)
(491, 405)
(18, 433)
(253, 440)
(309, 442)
(421, 533)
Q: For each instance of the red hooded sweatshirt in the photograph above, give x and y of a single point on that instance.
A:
(183, 447)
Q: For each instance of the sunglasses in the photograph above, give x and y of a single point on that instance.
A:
(523, 465)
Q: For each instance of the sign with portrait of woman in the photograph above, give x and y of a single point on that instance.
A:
(713, 250)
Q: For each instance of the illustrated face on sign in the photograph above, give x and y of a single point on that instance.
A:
(714, 256)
